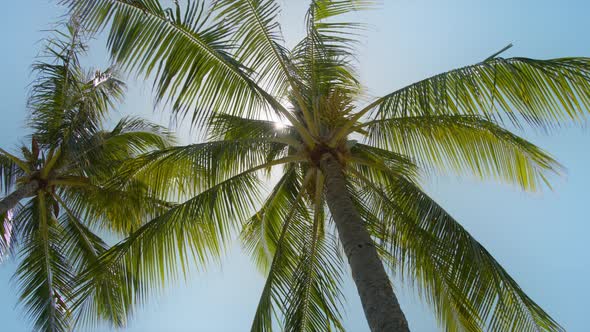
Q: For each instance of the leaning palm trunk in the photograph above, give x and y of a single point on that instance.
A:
(9, 202)
(381, 307)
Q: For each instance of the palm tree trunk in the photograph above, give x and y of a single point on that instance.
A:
(16, 196)
(381, 307)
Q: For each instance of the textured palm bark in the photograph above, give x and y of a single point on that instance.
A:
(381, 307)
(16, 196)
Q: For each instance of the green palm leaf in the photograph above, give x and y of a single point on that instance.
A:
(465, 144)
(465, 285)
(304, 275)
(261, 234)
(183, 51)
(44, 275)
(197, 229)
(104, 299)
(540, 93)
(312, 303)
(255, 29)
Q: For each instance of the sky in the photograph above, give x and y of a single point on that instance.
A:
(541, 238)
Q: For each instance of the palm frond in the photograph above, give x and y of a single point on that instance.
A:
(379, 164)
(304, 277)
(327, 34)
(255, 28)
(114, 208)
(44, 275)
(100, 153)
(325, 57)
(134, 136)
(185, 51)
(227, 127)
(261, 233)
(313, 301)
(540, 93)
(197, 229)
(199, 166)
(455, 274)
(465, 145)
(102, 299)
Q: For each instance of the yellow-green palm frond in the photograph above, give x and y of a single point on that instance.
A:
(467, 288)
(103, 301)
(465, 144)
(197, 229)
(325, 58)
(185, 51)
(67, 103)
(119, 210)
(379, 165)
(313, 302)
(198, 166)
(273, 246)
(304, 276)
(228, 127)
(44, 276)
(255, 29)
(540, 93)
(260, 234)
(130, 137)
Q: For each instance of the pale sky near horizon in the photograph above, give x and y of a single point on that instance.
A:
(541, 239)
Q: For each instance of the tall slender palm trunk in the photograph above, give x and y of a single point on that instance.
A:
(381, 307)
(16, 196)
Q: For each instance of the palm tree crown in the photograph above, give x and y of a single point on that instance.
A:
(57, 190)
(341, 163)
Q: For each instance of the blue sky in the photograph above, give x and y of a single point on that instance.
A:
(541, 239)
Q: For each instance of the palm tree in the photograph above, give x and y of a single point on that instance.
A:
(349, 168)
(57, 191)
